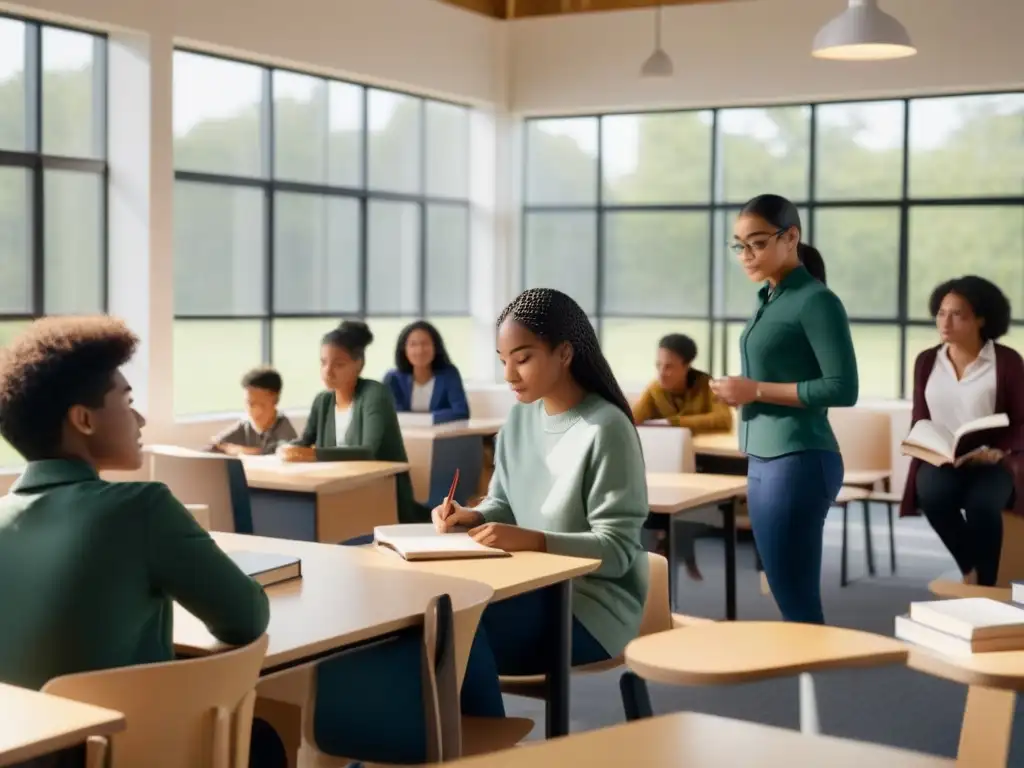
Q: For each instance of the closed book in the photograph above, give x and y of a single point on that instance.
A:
(421, 541)
(911, 631)
(970, 618)
(268, 568)
(1017, 591)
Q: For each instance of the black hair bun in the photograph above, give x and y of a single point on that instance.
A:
(357, 332)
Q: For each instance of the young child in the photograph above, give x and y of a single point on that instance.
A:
(263, 429)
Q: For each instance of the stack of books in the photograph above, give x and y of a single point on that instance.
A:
(962, 627)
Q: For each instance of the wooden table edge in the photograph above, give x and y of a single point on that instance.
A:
(657, 674)
(115, 724)
(946, 667)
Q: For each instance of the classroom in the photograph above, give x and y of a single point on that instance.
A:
(289, 289)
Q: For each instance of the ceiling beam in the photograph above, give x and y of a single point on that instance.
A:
(520, 9)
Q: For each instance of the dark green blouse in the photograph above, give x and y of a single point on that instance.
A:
(373, 434)
(799, 333)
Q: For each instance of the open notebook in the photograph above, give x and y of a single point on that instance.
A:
(421, 541)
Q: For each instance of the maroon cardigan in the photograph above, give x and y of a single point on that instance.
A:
(1009, 400)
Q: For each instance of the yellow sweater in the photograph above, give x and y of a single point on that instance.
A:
(697, 408)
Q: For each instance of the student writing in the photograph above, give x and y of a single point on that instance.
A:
(264, 428)
(90, 568)
(424, 380)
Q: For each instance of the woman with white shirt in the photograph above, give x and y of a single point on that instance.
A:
(966, 377)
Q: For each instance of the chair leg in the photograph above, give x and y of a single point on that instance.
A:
(636, 701)
(868, 544)
(892, 541)
(843, 580)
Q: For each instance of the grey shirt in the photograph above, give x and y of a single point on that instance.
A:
(244, 433)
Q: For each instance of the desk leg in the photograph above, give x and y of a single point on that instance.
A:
(987, 728)
(729, 533)
(559, 611)
(808, 706)
(670, 555)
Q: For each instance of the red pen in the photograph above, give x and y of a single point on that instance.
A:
(451, 492)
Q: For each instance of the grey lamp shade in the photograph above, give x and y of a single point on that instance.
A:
(863, 32)
(657, 65)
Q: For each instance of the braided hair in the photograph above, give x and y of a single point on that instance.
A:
(555, 317)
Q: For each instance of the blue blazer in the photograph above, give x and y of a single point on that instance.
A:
(447, 403)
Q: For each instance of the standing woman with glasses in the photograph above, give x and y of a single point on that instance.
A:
(798, 361)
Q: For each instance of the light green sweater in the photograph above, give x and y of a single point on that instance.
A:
(579, 476)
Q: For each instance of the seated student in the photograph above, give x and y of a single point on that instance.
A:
(424, 379)
(90, 568)
(354, 419)
(569, 479)
(967, 376)
(681, 396)
(265, 428)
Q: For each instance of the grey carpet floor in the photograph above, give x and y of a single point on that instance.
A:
(892, 705)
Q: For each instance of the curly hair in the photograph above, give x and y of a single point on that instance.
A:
(57, 363)
(986, 299)
(354, 336)
(264, 378)
(441, 359)
(555, 317)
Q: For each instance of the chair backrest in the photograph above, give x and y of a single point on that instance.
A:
(212, 479)
(201, 513)
(180, 714)
(667, 449)
(1011, 558)
(864, 437)
(657, 616)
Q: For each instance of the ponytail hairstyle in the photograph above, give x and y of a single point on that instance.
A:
(555, 318)
(354, 336)
(782, 214)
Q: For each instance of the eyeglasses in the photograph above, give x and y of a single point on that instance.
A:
(754, 246)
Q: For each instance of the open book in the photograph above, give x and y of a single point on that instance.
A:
(421, 541)
(935, 444)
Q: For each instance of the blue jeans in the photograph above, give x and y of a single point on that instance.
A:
(789, 498)
(369, 703)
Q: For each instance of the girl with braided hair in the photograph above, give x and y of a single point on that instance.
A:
(569, 479)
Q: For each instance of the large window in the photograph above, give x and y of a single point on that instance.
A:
(300, 201)
(53, 176)
(630, 214)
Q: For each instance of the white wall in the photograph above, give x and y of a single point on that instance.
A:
(747, 52)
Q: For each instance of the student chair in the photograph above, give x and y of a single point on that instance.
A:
(180, 714)
(1011, 567)
(657, 617)
(667, 449)
(450, 735)
(212, 479)
(865, 442)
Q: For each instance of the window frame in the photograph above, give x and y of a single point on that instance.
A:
(718, 319)
(270, 185)
(36, 162)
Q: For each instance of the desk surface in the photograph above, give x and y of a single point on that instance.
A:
(507, 576)
(341, 599)
(673, 492)
(718, 444)
(480, 427)
(992, 670)
(33, 724)
(728, 652)
(702, 741)
(272, 474)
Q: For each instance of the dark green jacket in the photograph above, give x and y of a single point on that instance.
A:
(372, 435)
(89, 570)
(799, 334)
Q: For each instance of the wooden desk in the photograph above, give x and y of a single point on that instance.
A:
(702, 741)
(340, 601)
(327, 502)
(435, 452)
(516, 575)
(994, 680)
(34, 724)
(678, 493)
(724, 444)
